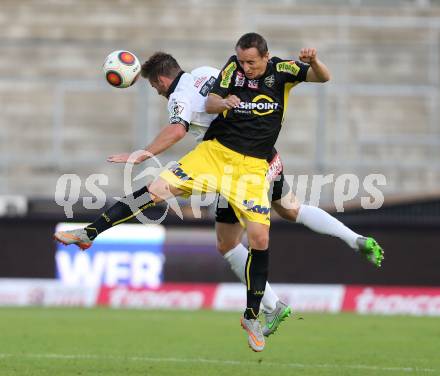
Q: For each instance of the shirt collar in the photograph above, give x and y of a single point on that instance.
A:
(174, 84)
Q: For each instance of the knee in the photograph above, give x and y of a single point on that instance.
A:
(287, 208)
(224, 245)
(158, 191)
(290, 214)
(259, 241)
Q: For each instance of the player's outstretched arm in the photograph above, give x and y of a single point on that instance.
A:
(318, 71)
(167, 137)
(216, 104)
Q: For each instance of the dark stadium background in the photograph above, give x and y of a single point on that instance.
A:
(410, 233)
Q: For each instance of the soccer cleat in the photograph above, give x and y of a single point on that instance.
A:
(371, 250)
(275, 318)
(78, 237)
(255, 336)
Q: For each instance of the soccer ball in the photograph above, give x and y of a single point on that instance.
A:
(121, 69)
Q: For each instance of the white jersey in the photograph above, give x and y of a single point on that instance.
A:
(186, 104)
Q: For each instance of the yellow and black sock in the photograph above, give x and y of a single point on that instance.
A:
(257, 267)
(124, 210)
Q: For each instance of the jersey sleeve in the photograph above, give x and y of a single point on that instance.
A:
(291, 70)
(223, 83)
(179, 110)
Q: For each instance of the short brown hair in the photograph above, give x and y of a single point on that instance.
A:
(160, 64)
(250, 40)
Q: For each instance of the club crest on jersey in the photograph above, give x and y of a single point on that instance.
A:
(239, 79)
(269, 81)
(288, 67)
(253, 84)
(227, 75)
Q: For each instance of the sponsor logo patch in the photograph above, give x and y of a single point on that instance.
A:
(239, 79)
(199, 81)
(177, 120)
(207, 87)
(275, 168)
(177, 170)
(261, 105)
(288, 67)
(175, 108)
(249, 205)
(227, 75)
(253, 84)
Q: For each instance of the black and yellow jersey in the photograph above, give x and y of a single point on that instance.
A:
(252, 128)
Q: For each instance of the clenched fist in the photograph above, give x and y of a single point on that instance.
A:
(307, 55)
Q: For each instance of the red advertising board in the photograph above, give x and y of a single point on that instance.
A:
(392, 300)
(169, 295)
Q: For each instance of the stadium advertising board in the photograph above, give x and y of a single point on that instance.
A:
(131, 255)
(305, 298)
(417, 301)
(44, 292)
(414, 301)
(168, 296)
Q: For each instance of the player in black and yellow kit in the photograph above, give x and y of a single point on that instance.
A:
(251, 97)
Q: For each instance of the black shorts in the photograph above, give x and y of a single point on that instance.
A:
(224, 212)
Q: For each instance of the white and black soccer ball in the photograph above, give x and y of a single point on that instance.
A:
(121, 68)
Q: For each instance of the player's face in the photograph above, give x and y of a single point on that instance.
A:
(159, 86)
(253, 64)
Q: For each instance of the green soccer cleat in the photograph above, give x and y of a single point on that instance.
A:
(275, 318)
(372, 251)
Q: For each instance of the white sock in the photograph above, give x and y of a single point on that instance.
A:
(237, 260)
(320, 221)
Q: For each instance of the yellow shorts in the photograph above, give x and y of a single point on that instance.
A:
(212, 167)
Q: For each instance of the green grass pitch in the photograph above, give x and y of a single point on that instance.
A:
(75, 341)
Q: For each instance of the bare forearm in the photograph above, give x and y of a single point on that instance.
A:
(215, 104)
(320, 70)
(169, 136)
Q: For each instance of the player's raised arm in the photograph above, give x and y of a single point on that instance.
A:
(166, 138)
(318, 71)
